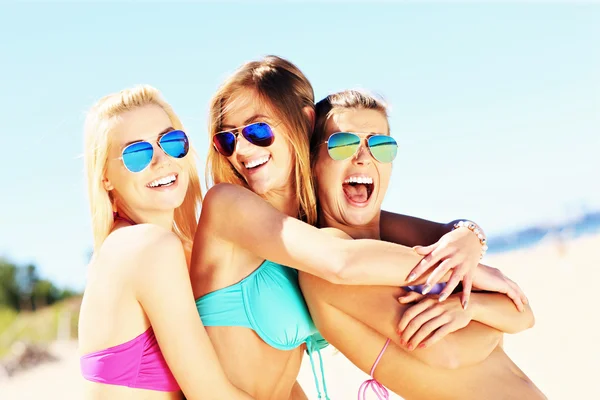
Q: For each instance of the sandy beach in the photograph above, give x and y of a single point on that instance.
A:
(561, 353)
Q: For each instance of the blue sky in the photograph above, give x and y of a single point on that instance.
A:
(496, 107)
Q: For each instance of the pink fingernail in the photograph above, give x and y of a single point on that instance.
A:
(422, 346)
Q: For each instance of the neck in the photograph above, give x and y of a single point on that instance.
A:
(160, 218)
(284, 200)
(370, 230)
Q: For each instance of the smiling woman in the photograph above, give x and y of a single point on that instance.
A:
(256, 228)
(144, 194)
(362, 182)
(255, 94)
(458, 349)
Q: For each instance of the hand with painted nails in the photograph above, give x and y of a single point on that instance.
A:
(487, 279)
(410, 296)
(493, 280)
(430, 320)
(459, 251)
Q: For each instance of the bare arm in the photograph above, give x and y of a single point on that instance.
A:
(498, 311)
(164, 291)
(411, 231)
(275, 236)
(298, 393)
(430, 320)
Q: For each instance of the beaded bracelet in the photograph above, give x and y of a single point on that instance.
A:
(473, 227)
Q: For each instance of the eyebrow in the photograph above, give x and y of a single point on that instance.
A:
(169, 129)
(246, 122)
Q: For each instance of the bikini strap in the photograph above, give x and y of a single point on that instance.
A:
(310, 344)
(380, 390)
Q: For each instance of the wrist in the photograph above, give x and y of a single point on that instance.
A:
(449, 227)
(477, 231)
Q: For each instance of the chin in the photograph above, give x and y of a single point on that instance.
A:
(164, 206)
(168, 203)
(260, 188)
(357, 221)
(360, 218)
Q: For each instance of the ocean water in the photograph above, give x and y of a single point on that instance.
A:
(586, 225)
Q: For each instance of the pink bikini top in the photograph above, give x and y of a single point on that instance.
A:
(138, 364)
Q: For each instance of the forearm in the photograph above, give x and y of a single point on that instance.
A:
(498, 311)
(374, 262)
(468, 346)
(411, 231)
(274, 236)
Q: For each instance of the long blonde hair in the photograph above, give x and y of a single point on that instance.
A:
(286, 91)
(98, 125)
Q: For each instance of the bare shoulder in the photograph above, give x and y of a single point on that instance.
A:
(225, 210)
(337, 233)
(143, 237)
(145, 245)
(225, 193)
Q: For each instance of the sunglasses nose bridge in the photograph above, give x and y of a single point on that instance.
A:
(242, 144)
(362, 155)
(159, 155)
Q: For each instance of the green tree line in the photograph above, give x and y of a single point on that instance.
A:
(22, 288)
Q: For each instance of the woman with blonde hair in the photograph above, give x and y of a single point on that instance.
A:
(255, 233)
(144, 195)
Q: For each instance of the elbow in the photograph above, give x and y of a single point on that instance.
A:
(527, 322)
(338, 269)
(529, 319)
(530, 322)
(345, 271)
(337, 274)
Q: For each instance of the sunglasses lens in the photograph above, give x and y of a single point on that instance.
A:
(225, 143)
(342, 145)
(383, 148)
(259, 134)
(175, 144)
(137, 156)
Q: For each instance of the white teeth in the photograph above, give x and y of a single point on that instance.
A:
(257, 162)
(162, 181)
(360, 179)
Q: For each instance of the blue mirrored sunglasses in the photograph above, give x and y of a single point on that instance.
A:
(258, 133)
(137, 156)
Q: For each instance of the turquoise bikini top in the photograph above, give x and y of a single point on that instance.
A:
(270, 302)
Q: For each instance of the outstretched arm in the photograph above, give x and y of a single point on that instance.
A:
(239, 216)
(164, 291)
(411, 231)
